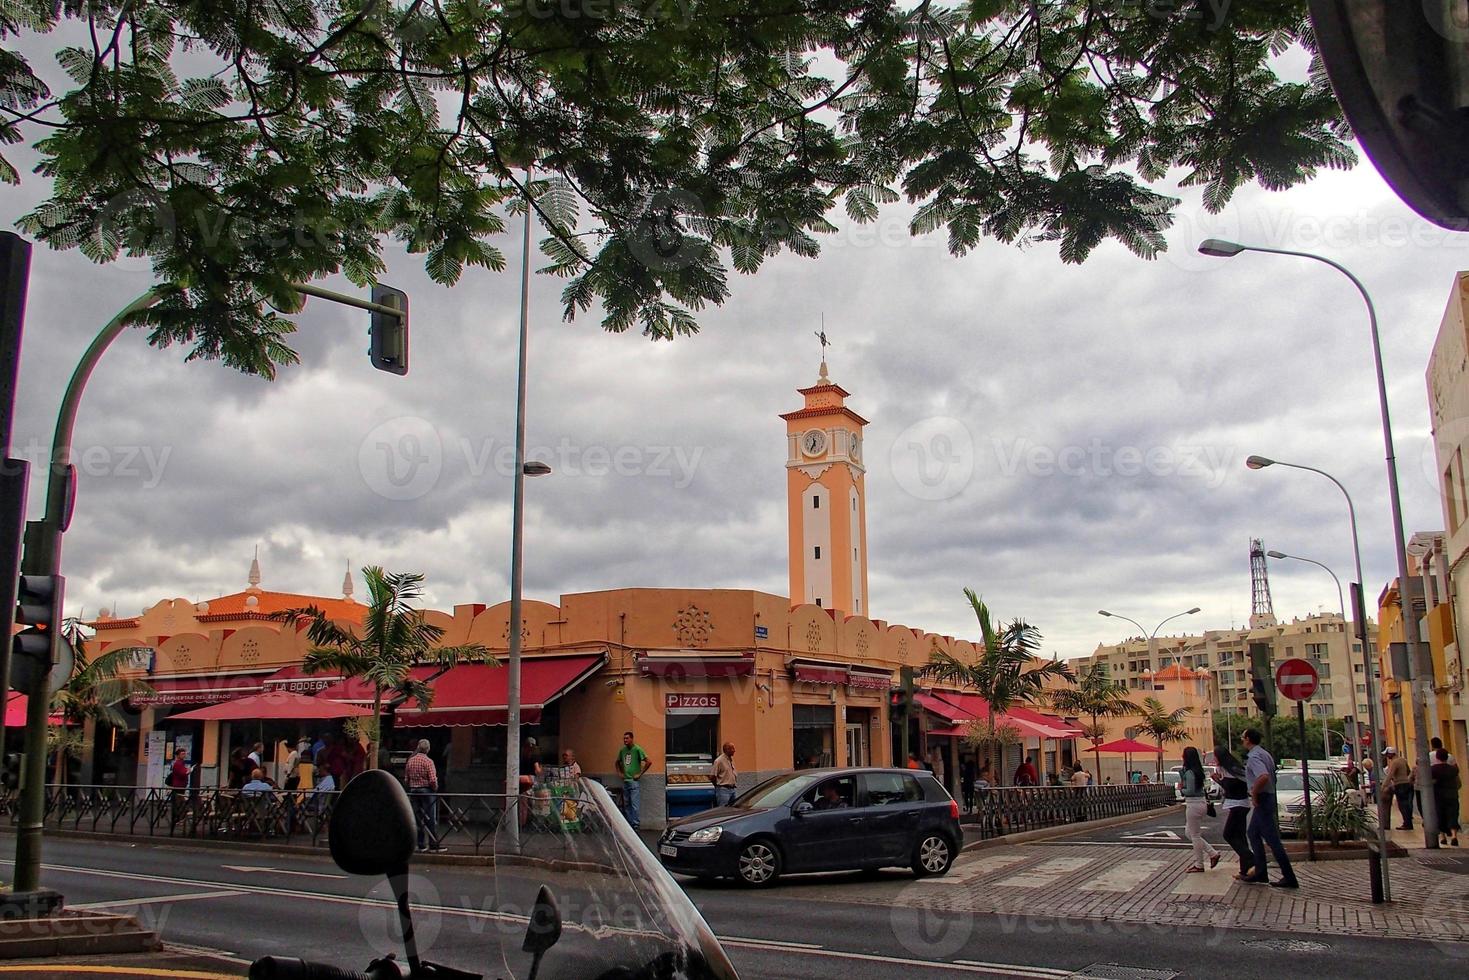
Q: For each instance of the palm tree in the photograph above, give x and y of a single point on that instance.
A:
(1163, 725)
(92, 692)
(1097, 696)
(1006, 673)
(395, 638)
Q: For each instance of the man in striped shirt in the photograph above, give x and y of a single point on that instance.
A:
(422, 780)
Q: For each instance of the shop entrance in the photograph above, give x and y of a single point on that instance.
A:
(856, 745)
(813, 735)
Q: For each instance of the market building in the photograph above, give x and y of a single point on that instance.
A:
(797, 681)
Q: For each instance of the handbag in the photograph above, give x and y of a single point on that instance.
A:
(1209, 809)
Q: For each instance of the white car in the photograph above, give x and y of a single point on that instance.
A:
(1174, 777)
(1291, 800)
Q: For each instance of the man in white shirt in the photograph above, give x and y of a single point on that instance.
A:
(1081, 778)
(1264, 818)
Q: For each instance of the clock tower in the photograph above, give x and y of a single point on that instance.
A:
(828, 500)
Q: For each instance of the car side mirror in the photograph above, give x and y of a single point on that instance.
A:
(802, 808)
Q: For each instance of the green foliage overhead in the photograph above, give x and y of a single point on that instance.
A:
(244, 146)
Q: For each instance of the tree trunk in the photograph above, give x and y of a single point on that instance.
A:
(377, 721)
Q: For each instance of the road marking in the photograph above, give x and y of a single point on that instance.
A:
(1124, 877)
(749, 941)
(1158, 835)
(1205, 883)
(1047, 872)
(1039, 973)
(156, 900)
(246, 869)
(112, 970)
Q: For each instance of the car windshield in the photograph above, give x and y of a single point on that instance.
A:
(1290, 782)
(1171, 777)
(776, 792)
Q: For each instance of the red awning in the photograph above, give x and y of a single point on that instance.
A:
(204, 689)
(682, 667)
(1129, 746)
(870, 679)
(355, 690)
(954, 731)
(1031, 724)
(951, 713)
(271, 706)
(814, 673)
(295, 679)
(477, 694)
(15, 712)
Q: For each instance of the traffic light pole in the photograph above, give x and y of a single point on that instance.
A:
(43, 557)
(15, 269)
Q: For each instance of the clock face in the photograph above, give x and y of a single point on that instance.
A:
(813, 443)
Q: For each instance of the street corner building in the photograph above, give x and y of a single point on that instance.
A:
(800, 681)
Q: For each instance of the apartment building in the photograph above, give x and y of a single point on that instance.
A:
(1325, 639)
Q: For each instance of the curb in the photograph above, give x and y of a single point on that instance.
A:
(235, 847)
(1066, 830)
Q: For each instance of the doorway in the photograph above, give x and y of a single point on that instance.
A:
(856, 745)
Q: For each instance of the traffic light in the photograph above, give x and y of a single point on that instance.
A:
(903, 696)
(389, 333)
(1262, 679)
(38, 608)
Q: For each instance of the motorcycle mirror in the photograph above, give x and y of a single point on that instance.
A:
(372, 830)
(545, 924)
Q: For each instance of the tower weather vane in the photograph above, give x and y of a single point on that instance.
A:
(821, 336)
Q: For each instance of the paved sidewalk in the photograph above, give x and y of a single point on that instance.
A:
(1150, 886)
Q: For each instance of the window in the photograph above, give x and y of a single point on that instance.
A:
(815, 503)
(818, 600)
(887, 788)
(1317, 649)
(1324, 691)
(1361, 688)
(1356, 648)
(1356, 668)
(818, 551)
(832, 794)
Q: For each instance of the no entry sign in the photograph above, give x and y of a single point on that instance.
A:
(1296, 679)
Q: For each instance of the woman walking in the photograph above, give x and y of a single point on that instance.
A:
(1229, 773)
(1191, 787)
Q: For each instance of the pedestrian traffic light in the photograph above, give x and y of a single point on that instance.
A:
(1262, 680)
(389, 332)
(37, 607)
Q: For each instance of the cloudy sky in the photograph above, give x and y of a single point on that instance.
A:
(1059, 438)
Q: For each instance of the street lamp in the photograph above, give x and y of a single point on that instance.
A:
(1373, 709)
(1150, 636)
(1421, 675)
(1325, 736)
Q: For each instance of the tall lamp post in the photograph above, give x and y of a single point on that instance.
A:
(1369, 665)
(1420, 659)
(1325, 729)
(523, 469)
(1152, 662)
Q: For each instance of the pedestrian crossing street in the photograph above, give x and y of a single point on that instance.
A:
(1109, 874)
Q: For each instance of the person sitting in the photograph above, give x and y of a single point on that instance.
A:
(830, 798)
(257, 784)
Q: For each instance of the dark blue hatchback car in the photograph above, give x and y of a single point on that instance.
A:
(820, 820)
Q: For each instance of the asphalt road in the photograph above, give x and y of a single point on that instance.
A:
(1164, 831)
(250, 904)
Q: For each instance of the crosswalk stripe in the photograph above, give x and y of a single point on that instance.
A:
(1046, 873)
(1123, 877)
(1214, 882)
(969, 870)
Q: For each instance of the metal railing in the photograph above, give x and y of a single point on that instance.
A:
(1012, 809)
(465, 823)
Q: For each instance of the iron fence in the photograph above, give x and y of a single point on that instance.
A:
(465, 822)
(1012, 809)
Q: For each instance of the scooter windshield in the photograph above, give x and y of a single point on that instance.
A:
(582, 897)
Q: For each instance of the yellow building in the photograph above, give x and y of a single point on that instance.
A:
(790, 682)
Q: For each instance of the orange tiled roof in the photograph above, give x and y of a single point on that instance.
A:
(1176, 672)
(233, 606)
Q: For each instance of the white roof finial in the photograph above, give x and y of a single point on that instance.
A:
(255, 571)
(347, 583)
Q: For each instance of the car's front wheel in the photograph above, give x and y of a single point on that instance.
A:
(759, 864)
(934, 855)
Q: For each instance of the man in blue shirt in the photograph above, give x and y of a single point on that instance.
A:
(1264, 825)
(256, 785)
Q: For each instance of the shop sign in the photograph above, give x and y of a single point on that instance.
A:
(762, 632)
(691, 704)
(302, 685)
(140, 659)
